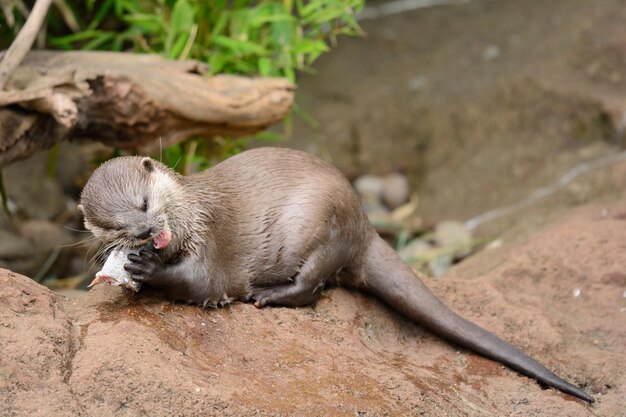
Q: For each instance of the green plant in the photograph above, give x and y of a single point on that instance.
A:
(266, 37)
(261, 37)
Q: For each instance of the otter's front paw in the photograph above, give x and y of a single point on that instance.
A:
(144, 266)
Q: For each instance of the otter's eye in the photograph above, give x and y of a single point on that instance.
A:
(144, 207)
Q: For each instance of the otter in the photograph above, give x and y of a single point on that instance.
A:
(271, 226)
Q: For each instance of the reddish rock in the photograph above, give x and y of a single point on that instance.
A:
(111, 353)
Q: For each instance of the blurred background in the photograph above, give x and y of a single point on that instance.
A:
(463, 125)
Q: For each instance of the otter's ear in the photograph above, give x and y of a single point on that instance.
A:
(81, 209)
(147, 164)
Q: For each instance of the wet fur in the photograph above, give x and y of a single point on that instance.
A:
(271, 225)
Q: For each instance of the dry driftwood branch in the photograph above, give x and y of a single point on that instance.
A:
(129, 101)
(23, 41)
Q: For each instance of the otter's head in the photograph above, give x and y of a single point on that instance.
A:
(127, 202)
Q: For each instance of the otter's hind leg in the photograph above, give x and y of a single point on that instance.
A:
(305, 287)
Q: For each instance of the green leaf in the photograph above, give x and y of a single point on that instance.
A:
(182, 17)
(290, 74)
(118, 43)
(220, 25)
(216, 63)
(322, 16)
(311, 7)
(239, 47)
(268, 13)
(268, 136)
(220, 4)
(265, 67)
(240, 24)
(97, 42)
(69, 40)
(124, 6)
(288, 5)
(145, 23)
(308, 46)
(240, 66)
(352, 23)
(103, 11)
(178, 46)
(180, 23)
(282, 33)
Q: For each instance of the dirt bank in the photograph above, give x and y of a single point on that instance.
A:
(560, 297)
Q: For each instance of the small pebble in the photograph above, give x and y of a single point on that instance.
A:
(417, 83)
(452, 234)
(415, 248)
(396, 190)
(369, 187)
(373, 206)
(440, 264)
(494, 244)
(576, 292)
(491, 52)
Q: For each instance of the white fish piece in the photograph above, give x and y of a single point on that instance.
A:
(113, 271)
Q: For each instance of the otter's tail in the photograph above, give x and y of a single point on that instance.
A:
(388, 278)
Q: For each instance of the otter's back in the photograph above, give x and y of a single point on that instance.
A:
(287, 204)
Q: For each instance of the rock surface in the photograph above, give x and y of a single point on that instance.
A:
(107, 353)
(478, 106)
(396, 190)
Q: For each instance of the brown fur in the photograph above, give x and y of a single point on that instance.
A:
(274, 226)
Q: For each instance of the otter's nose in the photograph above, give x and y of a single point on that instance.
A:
(144, 235)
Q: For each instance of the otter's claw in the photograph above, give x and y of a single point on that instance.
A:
(143, 266)
(260, 298)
